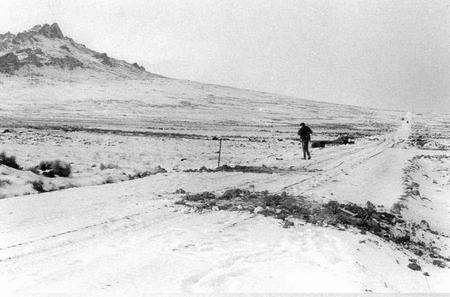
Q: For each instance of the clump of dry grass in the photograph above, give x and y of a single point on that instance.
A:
(108, 166)
(53, 168)
(4, 182)
(38, 185)
(9, 161)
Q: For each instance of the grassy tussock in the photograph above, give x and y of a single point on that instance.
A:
(9, 161)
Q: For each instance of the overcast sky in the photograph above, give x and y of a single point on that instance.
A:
(385, 54)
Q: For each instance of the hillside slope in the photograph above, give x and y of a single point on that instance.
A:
(47, 78)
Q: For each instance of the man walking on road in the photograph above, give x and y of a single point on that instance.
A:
(305, 136)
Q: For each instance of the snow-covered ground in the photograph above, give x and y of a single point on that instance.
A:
(129, 237)
(135, 142)
(99, 157)
(164, 105)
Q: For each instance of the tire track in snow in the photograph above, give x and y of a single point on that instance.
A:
(334, 171)
(62, 239)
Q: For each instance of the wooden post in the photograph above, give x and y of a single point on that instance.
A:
(220, 151)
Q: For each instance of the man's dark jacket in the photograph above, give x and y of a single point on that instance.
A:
(305, 133)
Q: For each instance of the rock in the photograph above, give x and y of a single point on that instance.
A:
(52, 31)
(439, 263)
(36, 28)
(341, 227)
(424, 225)
(159, 169)
(288, 224)
(56, 31)
(258, 209)
(418, 252)
(233, 193)
(205, 196)
(414, 266)
(281, 216)
(65, 62)
(34, 58)
(415, 192)
(370, 207)
(215, 208)
(104, 59)
(64, 47)
(180, 191)
(9, 63)
(225, 207)
(136, 65)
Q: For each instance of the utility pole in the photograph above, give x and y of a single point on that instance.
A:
(220, 151)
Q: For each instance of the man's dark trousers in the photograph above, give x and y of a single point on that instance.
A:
(305, 147)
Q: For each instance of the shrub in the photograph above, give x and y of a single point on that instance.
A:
(109, 180)
(9, 161)
(53, 168)
(397, 207)
(108, 166)
(4, 182)
(180, 191)
(38, 185)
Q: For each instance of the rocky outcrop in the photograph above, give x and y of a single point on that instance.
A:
(9, 63)
(104, 59)
(66, 62)
(7, 37)
(64, 47)
(35, 57)
(45, 45)
(136, 65)
(30, 36)
(52, 31)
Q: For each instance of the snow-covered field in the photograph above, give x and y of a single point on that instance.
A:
(129, 237)
(162, 106)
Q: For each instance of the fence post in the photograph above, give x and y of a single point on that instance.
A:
(220, 151)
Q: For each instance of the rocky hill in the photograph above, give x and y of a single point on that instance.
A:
(46, 46)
